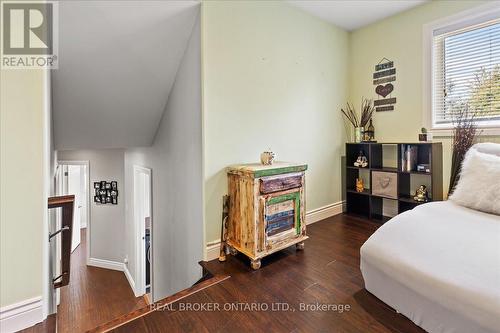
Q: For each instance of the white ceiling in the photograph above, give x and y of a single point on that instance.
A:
(117, 65)
(354, 14)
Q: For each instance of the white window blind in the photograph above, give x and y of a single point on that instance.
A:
(466, 70)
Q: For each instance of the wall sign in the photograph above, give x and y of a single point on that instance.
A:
(106, 192)
(384, 74)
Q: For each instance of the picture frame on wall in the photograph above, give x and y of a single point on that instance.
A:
(106, 192)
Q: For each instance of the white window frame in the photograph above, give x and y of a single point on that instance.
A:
(469, 17)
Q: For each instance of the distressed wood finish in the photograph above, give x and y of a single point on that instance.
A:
(266, 208)
(280, 183)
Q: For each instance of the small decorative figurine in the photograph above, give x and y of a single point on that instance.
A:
(421, 194)
(362, 161)
(359, 185)
(267, 157)
(424, 136)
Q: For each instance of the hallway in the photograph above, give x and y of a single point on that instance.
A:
(94, 295)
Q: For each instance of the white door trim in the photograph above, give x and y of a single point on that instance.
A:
(139, 227)
(89, 193)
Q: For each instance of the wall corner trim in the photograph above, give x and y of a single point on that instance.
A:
(108, 264)
(21, 315)
(130, 279)
(212, 248)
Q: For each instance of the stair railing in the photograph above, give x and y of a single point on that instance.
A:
(66, 202)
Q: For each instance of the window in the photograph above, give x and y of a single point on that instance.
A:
(466, 71)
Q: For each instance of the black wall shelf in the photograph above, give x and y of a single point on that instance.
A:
(368, 205)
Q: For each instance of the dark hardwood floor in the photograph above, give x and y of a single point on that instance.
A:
(326, 272)
(94, 295)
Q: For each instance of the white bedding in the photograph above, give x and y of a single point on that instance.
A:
(439, 265)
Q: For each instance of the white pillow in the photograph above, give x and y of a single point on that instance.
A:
(479, 184)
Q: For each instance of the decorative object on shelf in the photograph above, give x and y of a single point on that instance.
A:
(464, 134)
(383, 75)
(423, 135)
(360, 123)
(424, 168)
(361, 161)
(106, 192)
(360, 187)
(409, 158)
(370, 132)
(421, 194)
(385, 184)
(267, 157)
(358, 134)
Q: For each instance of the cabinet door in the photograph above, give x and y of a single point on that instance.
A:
(282, 219)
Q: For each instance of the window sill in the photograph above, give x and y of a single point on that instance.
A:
(448, 132)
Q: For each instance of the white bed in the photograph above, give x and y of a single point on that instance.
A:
(439, 265)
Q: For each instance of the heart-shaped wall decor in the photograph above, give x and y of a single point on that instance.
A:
(384, 90)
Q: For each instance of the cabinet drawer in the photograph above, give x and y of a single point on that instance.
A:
(280, 183)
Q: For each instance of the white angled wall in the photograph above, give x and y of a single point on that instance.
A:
(176, 162)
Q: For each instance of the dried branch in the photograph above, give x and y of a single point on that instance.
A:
(464, 133)
(366, 113)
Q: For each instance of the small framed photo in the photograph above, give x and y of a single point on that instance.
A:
(102, 192)
(114, 185)
(103, 199)
(103, 184)
(97, 185)
(108, 186)
(114, 193)
(108, 199)
(114, 200)
(97, 199)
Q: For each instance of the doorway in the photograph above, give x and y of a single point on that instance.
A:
(144, 231)
(73, 178)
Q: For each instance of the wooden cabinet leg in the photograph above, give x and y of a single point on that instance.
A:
(233, 251)
(255, 264)
(300, 246)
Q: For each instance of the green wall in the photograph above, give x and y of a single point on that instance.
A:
(22, 196)
(274, 77)
(399, 38)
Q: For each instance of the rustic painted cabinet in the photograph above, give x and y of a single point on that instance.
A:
(266, 209)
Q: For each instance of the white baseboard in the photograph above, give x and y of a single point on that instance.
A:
(130, 279)
(117, 266)
(213, 250)
(114, 265)
(324, 212)
(21, 315)
(312, 216)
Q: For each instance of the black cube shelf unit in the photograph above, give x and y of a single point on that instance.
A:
(368, 205)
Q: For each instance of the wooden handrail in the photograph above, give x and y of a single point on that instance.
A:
(66, 202)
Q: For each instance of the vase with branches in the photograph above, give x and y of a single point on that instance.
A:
(464, 134)
(359, 122)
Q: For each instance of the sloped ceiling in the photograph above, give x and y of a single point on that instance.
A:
(354, 14)
(117, 65)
